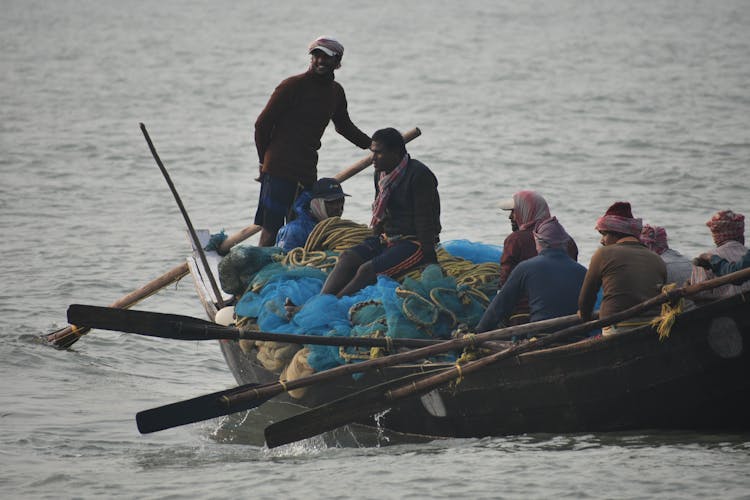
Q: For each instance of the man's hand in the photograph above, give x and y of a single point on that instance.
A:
(260, 173)
(703, 260)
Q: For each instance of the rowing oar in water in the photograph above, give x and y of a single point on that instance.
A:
(178, 327)
(69, 335)
(251, 395)
(379, 398)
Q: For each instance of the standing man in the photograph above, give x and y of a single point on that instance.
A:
(288, 132)
(405, 220)
(627, 271)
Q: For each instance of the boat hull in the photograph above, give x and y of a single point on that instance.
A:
(697, 378)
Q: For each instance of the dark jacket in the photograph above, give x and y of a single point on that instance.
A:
(518, 247)
(414, 208)
(288, 130)
(551, 281)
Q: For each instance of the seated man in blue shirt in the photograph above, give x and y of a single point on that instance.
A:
(551, 280)
(325, 200)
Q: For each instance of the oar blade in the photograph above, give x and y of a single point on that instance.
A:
(193, 410)
(171, 326)
(337, 413)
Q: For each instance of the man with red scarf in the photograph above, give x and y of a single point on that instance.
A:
(551, 280)
(728, 232)
(288, 132)
(527, 210)
(679, 267)
(627, 272)
(405, 220)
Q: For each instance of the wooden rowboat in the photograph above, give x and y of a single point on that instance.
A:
(697, 378)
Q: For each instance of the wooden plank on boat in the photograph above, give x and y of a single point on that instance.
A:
(202, 283)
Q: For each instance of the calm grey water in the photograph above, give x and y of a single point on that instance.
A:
(588, 102)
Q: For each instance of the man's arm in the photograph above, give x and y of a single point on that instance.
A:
(278, 104)
(592, 282)
(573, 249)
(509, 258)
(503, 303)
(426, 204)
(720, 266)
(344, 125)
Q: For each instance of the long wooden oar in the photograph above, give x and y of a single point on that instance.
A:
(377, 399)
(69, 335)
(238, 398)
(178, 327)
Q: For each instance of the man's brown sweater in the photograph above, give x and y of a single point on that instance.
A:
(288, 130)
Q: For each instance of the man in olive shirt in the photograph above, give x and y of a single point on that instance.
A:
(288, 132)
(627, 271)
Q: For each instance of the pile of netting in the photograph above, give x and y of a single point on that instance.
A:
(280, 292)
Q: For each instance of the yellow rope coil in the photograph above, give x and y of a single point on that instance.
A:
(413, 302)
(336, 234)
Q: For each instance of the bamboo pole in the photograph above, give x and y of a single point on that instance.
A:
(68, 336)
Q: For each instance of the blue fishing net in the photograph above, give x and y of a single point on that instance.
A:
(473, 251)
(385, 309)
(428, 307)
(239, 267)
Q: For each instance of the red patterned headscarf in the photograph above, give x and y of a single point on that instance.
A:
(655, 238)
(530, 209)
(619, 219)
(727, 225)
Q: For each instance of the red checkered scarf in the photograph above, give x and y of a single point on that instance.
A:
(727, 225)
(386, 184)
(655, 238)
